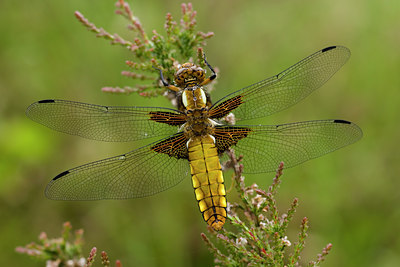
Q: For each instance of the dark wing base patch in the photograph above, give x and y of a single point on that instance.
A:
(227, 136)
(174, 146)
(167, 117)
(223, 109)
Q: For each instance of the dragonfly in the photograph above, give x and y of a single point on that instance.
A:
(194, 136)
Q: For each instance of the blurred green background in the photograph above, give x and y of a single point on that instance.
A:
(351, 196)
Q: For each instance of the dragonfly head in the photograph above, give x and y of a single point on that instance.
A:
(189, 75)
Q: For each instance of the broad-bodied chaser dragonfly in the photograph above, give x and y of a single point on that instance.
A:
(193, 136)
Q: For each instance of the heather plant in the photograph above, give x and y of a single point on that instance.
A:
(181, 43)
(63, 252)
(257, 230)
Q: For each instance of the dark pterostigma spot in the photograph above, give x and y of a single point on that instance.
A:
(60, 175)
(328, 48)
(342, 121)
(46, 101)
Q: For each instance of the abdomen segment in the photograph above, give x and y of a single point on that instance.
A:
(207, 179)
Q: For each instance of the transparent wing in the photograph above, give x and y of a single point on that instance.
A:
(139, 173)
(263, 147)
(115, 124)
(284, 89)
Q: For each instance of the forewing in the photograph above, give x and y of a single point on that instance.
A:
(284, 89)
(139, 173)
(264, 147)
(114, 124)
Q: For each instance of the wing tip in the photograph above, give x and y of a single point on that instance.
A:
(337, 47)
(354, 126)
(32, 106)
(48, 192)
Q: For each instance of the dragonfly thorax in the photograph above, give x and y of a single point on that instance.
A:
(196, 109)
(194, 98)
(198, 123)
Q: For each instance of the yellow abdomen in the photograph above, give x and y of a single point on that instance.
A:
(207, 179)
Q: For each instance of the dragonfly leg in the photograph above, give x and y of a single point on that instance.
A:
(165, 83)
(213, 76)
